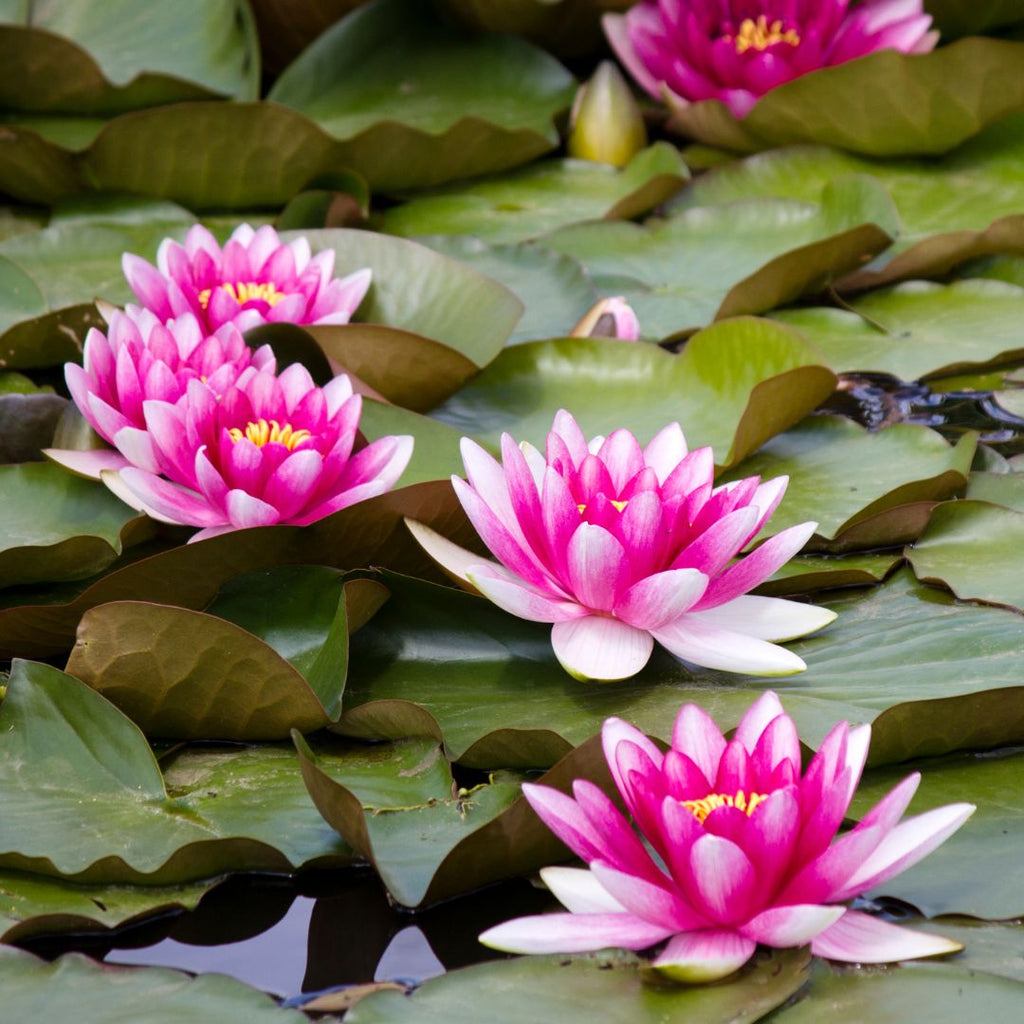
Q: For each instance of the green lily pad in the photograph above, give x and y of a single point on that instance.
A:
(76, 987)
(419, 103)
(543, 197)
(270, 655)
(22, 298)
(20, 220)
(885, 104)
(808, 573)
(919, 330)
(188, 576)
(735, 385)
(711, 262)
(429, 839)
(971, 547)
(553, 288)
(966, 204)
(81, 795)
(992, 948)
(940, 992)
(435, 455)
(964, 18)
(27, 422)
(934, 676)
(1006, 488)
(977, 870)
(101, 57)
(34, 905)
(610, 986)
(57, 526)
(865, 490)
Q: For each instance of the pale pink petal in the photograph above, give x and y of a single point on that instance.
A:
(724, 880)
(756, 719)
(766, 618)
(794, 925)
(713, 647)
(597, 647)
(861, 939)
(696, 735)
(244, 510)
(89, 463)
(580, 892)
(655, 903)
(598, 568)
(659, 599)
(616, 731)
(517, 597)
(703, 956)
(453, 559)
(169, 502)
(573, 933)
(665, 451)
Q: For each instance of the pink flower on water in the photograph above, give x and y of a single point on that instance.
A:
(272, 449)
(737, 50)
(255, 279)
(744, 847)
(619, 546)
(141, 359)
(609, 318)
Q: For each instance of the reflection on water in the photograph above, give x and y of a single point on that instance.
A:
(293, 934)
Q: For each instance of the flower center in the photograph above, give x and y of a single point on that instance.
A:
(245, 291)
(703, 807)
(261, 432)
(761, 34)
(617, 505)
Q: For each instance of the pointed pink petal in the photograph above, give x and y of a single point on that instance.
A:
(861, 939)
(724, 881)
(659, 599)
(696, 735)
(519, 598)
(703, 956)
(756, 719)
(718, 544)
(597, 647)
(650, 902)
(244, 510)
(794, 925)
(580, 892)
(455, 560)
(665, 451)
(597, 566)
(566, 819)
(573, 933)
(89, 464)
(614, 732)
(171, 503)
(713, 647)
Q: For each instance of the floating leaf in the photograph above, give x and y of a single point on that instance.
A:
(418, 103)
(542, 197)
(735, 385)
(27, 423)
(919, 330)
(75, 987)
(102, 57)
(269, 656)
(864, 490)
(976, 871)
(964, 18)
(56, 526)
(807, 573)
(429, 840)
(884, 104)
(745, 257)
(609, 985)
(81, 795)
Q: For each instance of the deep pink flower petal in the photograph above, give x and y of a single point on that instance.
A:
(702, 956)
(166, 500)
(658, 904)
(723, 883)
(659, 599)
(861, 939)
(696, 735)
(597, 566)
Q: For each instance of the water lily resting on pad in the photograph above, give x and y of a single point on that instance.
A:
(618, 546)
(685, 51)
(742, 850)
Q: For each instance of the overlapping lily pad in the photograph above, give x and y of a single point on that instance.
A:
(98, 57)
(977, 871)
(864, 490)
(930, 673)
(744, 257)
(429, 839)
(736, 384)
(885, 104)
(919, 330)
(543, 197)
(270, 655)
(82, 796)
(963, 205)
(76, 987)
(608, 986)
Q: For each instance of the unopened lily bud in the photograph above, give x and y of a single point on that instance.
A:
(609, 318)
(606, 124)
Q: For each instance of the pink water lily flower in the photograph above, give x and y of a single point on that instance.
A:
(255, 279)
(618, 546)
(272, 449)
(737, 50)
(141, 359)
(744, 850)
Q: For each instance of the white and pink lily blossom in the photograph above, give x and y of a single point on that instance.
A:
(737, 50)
(141, 359)
(271, 449)
(744, 850)
(618, 546)
(255, 279)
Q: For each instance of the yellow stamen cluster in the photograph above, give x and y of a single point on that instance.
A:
(761, 34)
(703, 807)
(261, 432)
(244, 291)
(617, 505)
